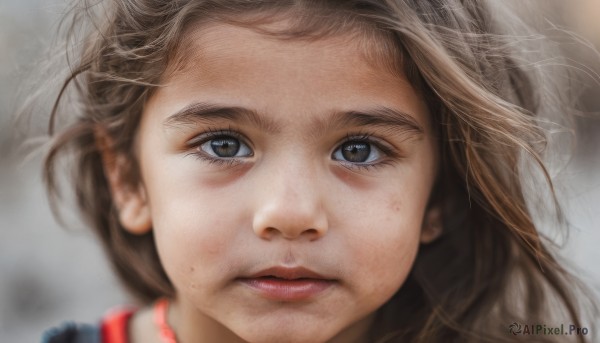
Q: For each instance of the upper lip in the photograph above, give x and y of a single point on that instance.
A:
(288, 273)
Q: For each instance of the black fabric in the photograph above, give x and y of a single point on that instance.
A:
(73, 333)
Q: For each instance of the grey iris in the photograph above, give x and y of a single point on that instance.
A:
(225, 146)
(356, 151)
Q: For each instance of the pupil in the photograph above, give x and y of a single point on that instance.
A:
(225, 147)
(356, 151)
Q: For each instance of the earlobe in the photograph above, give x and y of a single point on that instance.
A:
(131, 202)
(432, 225)
(134, 214)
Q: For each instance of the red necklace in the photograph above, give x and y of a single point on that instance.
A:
(167, 335)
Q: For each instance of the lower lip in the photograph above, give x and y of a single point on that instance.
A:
(288, 290)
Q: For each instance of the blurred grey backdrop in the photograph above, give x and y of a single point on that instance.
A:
(49, 274)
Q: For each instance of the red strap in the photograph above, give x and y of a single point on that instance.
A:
(114, 326)
(167, 335)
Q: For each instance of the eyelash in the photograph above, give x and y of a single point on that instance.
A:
(204, 137)
(389, 152)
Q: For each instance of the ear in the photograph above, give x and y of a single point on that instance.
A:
(131, 201)
(432, 224)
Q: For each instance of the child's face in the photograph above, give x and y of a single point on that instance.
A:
(264, 153)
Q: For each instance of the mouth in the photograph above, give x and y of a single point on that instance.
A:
(288, 284)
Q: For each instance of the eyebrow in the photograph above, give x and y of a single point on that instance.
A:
(379, 116)
(207, 112)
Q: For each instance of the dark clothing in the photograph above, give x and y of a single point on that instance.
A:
(113, 328)
(73, 333)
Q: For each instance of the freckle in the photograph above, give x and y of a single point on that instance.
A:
(395, 205)
(192, 269)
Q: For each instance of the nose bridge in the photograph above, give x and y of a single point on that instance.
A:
(291, 201)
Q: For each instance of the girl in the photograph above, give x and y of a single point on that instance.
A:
(312, 171)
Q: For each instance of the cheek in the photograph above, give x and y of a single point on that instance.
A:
(387, 252)
(382, 258)
(384, 236)
(194, 227)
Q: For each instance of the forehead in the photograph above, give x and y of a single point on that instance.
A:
(359, 44)
(240, 66)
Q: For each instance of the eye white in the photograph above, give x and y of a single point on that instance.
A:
(359, 152)
(226, 147)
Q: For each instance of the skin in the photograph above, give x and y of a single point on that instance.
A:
(291, 201)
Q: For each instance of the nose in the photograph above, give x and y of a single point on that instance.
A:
(290, 205)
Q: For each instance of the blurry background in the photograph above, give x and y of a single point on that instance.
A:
(49, 274)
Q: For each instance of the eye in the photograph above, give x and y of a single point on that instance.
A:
(225, 146)
(357, 151)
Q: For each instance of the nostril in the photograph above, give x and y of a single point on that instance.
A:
(312, 233)
(269, 232)
(271, 222)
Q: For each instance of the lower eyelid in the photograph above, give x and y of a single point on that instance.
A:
(228, 162)
(364, 167)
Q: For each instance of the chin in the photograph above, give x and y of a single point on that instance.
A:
(283, 337)
(298, 333)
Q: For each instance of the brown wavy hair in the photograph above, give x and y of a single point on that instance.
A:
(490, 268)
